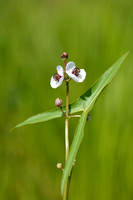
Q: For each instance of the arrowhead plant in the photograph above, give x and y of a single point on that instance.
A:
(83, 105)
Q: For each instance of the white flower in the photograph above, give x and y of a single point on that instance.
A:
(75, 73)
(57, 79)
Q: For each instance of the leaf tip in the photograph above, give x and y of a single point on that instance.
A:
(11, 129)
(128, 52)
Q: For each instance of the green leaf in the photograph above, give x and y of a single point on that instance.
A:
(55, 113)
(74, 148)
(52, 114)
(87, 100)
(86, 103)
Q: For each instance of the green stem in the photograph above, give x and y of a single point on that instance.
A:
(72, 116)
(65, 195)
(67, 121)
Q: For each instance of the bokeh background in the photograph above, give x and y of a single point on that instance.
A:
(33, 34)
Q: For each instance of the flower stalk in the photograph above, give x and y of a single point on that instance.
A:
(65, 195)
(69, 72)
(67, 121)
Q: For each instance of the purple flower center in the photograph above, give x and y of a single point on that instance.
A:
(76, 71)
(56, 77)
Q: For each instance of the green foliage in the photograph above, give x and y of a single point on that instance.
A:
(86, 101)
(85, 104)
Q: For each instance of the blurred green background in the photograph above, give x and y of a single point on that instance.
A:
(33, 34)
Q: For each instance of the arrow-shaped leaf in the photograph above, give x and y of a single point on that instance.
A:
(86, 102)
(52, 114)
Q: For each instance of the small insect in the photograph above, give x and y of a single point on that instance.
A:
(88, 117)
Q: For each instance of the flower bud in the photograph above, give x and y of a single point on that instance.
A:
(64, 56)
(59, 165)
(58, 102)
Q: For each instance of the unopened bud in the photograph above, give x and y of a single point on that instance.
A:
(64, 56)
(59, 165)
(58, 102)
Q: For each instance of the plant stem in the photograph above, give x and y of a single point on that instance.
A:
(65, 195)
(67, 121)
(74, 116)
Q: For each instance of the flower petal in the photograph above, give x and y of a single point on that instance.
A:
(54, 83)
(60, 70)
(80, 78)
(82, 75)
(70, 66)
